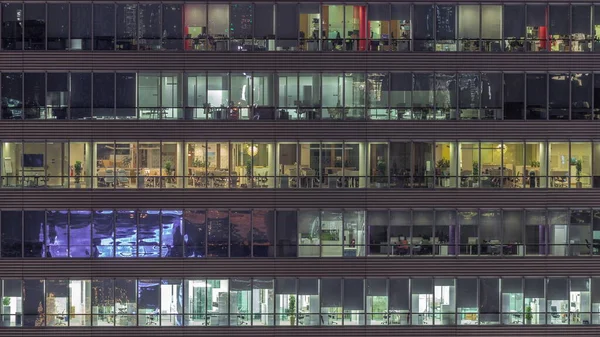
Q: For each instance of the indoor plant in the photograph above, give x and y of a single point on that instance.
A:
(528, 315)
(578, 168)
(292, 309)
(78, 169)
(169, 170)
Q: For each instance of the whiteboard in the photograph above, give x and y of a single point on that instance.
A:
(8, 166)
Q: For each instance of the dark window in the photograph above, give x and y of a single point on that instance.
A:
(287, 233)
(35, 26)
(58, 26)
(33, 234)
(241, 233)
(12, 95)
(35, 96)
(423, 18)
(104, 95)
(80, 234)
(104, 26)
(263, 233)
(57, 236)
(81, 95)
(12, 26)
(218, 233)
(172, 234)
(11, 233)
(127, 21)
(288, 26)
(149, 27)
(195, 231)
(103, 234)
(491, 95)
(172, 26)
(126, 99)
(537, 96)
(81, 26)
(264, 26)
(514, 96)
(559, 96)
(57, 97)
(514, 27)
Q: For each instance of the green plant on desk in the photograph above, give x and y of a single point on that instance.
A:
(78, 169)
(528, 315)
(6, 301)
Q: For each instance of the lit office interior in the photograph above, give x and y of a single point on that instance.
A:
(264, 233)
(301, 302)
(304, 27)
(333, 164)
(301, 96)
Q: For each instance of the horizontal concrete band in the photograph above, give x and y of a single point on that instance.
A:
(370, 267)
(295, 61)
(298, 198)
(347, 331)
(298, 130)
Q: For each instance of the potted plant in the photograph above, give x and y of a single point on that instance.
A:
(6, 308)
(292, 310)
(442, 166)
(578, 168)
(199, 163)
(169, 170)
(475, 172)
(528, 315)
(78, 169)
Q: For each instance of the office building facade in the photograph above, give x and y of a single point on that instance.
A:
(316, 168)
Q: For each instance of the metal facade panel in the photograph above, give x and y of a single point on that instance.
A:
(298, 198)
(366, 267)
(346, 331)
(295, 61)
(187, 130)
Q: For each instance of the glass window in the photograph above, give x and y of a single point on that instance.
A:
(126, 294)
(33, 303)
(195, 26)
(218, 27)
(80, 234)
(400, 91)
(400, 300)
(559, 96)
(104, 26)
(171, 235)
(34, 96)
(264, 27)
(34, 233)
(218, 233)
(469, 89)
(81, 95)
(491, 28)
(490, 232)
(57, 95)
(331, 233)
(126, 234)
(537, 96)
(557, 300)
(489, 301)
(514, 28)
(595, 289)
(377, 301)
(422, 301)
(469, 232)
(12, 307)
(12, 95)
(309, 228)
(422, 240)
(12, 26)
(331, 302)
(537, 28)
(241, 233)
(81, 27)
(354, 302)
(103, 302)
(148, 302)
(423, 34)
(288, 28)
(285, 301)
(469, 20)
(58, 26)
(581, 29)
(512, 301)
(445, 28)
(535, 232)
(149, 29)
(263, 233)
(579, 298)
(560, 28)
(580, 234)
(172, 25)
(581, 95)
(512, 232)
(444, 292)
(422, 95)
(35, 26)
(379, 27)
(103, 232)
(401, 27)
(287, 233)
(104, 100)
(514, 96)
(445, 96)
(491, 96)
(596, 28)
(57, 302)
(11, 234)
(195, 232)
(125, 95)
(80, 303)
(446, 167)
(466, 304)
(56, 235)
(127, 26)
